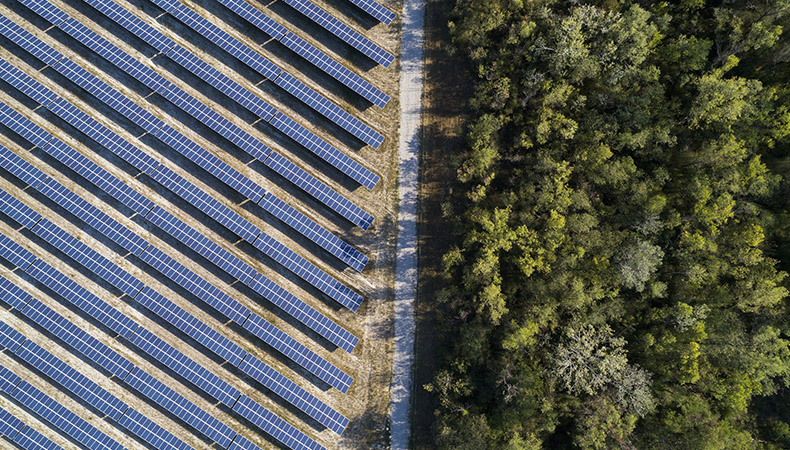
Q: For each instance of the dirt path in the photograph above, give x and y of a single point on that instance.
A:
(411, 87)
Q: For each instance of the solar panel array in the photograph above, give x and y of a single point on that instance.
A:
(235, 267)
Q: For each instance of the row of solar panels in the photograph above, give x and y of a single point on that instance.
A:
(190, 281)
(125, 371)
(26, 437)
(191, 193)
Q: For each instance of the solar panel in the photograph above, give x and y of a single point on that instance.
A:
(274, 426)
(64, 375)
(20, 168)
(211, 163)
(18, 211)
(20, 37)
(180, 407)
(308, 271)
(377, 11)
(134, 24)
(63, 419)
(46, 10)
(82, 298)
(182, 365)
(191, 326)
(30, 439)
(295, 350)
(225, 41)
(303, 312)
(12, 76)
(293, 393)
(336, 70)
(13, 295)
(199, 287)
(88, 257)
(22, 126)
(9, 425)
(150, 432)
(77, 338)
(255, 17)
(324, 150)
(222, 83)
(100, 177)
(8, 380)
(218, 123)
(169, 5)
(10, 339)
(93, 216)
(14, 253)
(342, 31)
(202, 245)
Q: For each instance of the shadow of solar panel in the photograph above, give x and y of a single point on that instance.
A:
(191, 326)
(299, 397)
(376, 10)
(202, 245)
(18, 211)
(187, 368)
(334, 69)
(63, 419)
(78, 339)
(255, 17)
(342, 31)
(82, 298)
(295, 350)
(30, 439)
(150, 432)
(64, 375)
(10, 426)
(274, 426)
(328, 109)
(180, 407)
(303, 312)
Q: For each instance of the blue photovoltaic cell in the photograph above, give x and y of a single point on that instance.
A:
(82, 298)
(20, 212)
(376, 10)
(191, 326)
(316, 233)
(63, 419)
(30, 439)
(150, 432)
(20, 37)
(24, 127)
(78, 339)
(46, 10)
(225, 41)
(206, 203)
(133, 23)
(330, 110)
(211, 163)
(295, 350)
(13, 295)
(8, 380)
(88, 257)
(202, 245)
(169, 5)
(336, 70)
(99, 177)
(342, 31)
(10, 339)
(65, 375)
(180, 407)
(93, 216)
(274, 425)
(14, 77)
(324, 150)
(14, 253)
(294, 394)
(242, 443)
(20, 168)
(255, 17)
(308, 271)
(199, 287)
(222, 82)
(9, 425)
(304, 313)
(187, 368)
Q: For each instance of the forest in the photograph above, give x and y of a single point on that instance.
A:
(621, 228)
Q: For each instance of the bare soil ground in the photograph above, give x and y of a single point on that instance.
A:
(366, 402)
(447, 91)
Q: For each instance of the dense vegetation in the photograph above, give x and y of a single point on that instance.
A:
(622, 228)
